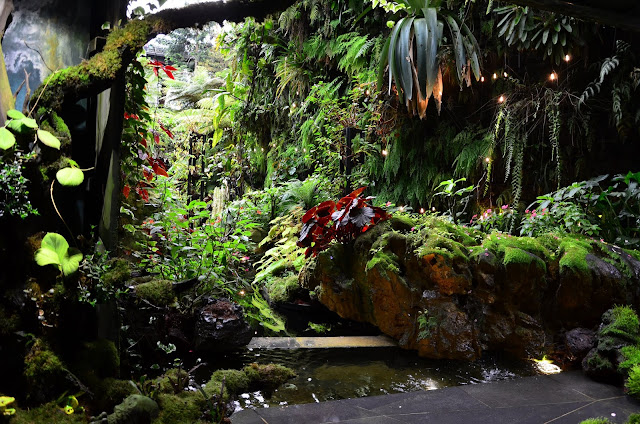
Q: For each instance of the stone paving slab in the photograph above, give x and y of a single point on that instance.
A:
(320, 342)
(566, 398)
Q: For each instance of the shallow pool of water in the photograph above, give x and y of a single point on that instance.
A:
(329, 374)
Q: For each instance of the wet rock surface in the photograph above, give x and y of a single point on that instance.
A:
(220, 326)
(460, 297)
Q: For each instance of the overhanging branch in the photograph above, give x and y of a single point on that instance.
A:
(98, 73)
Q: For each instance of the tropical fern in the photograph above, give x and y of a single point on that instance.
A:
(608, 66)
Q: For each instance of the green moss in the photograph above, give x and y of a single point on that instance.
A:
(267, 377)
(599, 420)
(49, 413)
(442, 245)
(513, 255)
(573, 253)
(367, 239)
(110, 392)
(621, 322)
(280, 289)
(41, 363)
(184, 408)
(385, 262)
(102, 67)
(632, 358)
(157, 292)
(402, 222)
(235, 382)
(633, 382)
(634, 419)
(173, 381)
(599, 363)
(118, 272)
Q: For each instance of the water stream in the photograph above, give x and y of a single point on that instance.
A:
(341, 373)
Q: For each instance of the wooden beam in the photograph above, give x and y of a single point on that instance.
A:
(624, 14)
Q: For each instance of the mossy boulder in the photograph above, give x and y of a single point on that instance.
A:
(135, 409)
(45, 374)
(229, 383)
(485, 292)
(118, 272)
(183, 408)
(267, 377)
(156, 292)
(49, 413)
(618, 332)
(110, 392)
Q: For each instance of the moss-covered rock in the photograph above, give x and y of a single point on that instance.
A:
(157, 292)
(617, 338)
(111, 392)
(281, 289)
(135, 409)
(267, 377)
(173, 381)
(118, 272)
(49, 413)
(228, 382)
(182, 408)
(44, 373)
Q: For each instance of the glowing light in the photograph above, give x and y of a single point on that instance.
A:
(433, 209)
(367, 92)
(440, 92)
(553, 76)
(294, 106)
(546, 366)
(262, 148)
(501, 99)
(567, 58)
(505, 75)
(421, 210)
(481, 79)
(384, 152)
(495, 76)
(401, 208)
(304, 150)
(487, 160)
(242, 293)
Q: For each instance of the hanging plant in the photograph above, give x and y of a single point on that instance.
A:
(414, 55)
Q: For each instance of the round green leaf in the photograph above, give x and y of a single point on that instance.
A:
(15, 114)
(7, 140)
(70, 176)
(48, 139)
(31, 123)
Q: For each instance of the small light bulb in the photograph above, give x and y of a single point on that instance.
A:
(552, 76)
(495, 76)
(384, 152)
(304, 150)
(293, 106)
(242, 293)
(501, 99)
(401, 208)
(421, 210)
(367, 92)
(433, 209)
(262, 148)
(567, 58)
(505, 75)
(487, 160)
(481, 79)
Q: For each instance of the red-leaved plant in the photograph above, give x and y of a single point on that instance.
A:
(342, 221)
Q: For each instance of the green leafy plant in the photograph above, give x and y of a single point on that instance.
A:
(415, 57)
(55, 251)
(426, 324)
(552, 34)
(455, 198)
(21, 124)
(14, 193)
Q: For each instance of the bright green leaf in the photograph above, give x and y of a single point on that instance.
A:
(70, 176)
(48, 139)
(30, 123)
(7, 139)
(15, 114)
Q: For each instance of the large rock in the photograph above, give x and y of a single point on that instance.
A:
(450, 292)
(220, 326)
